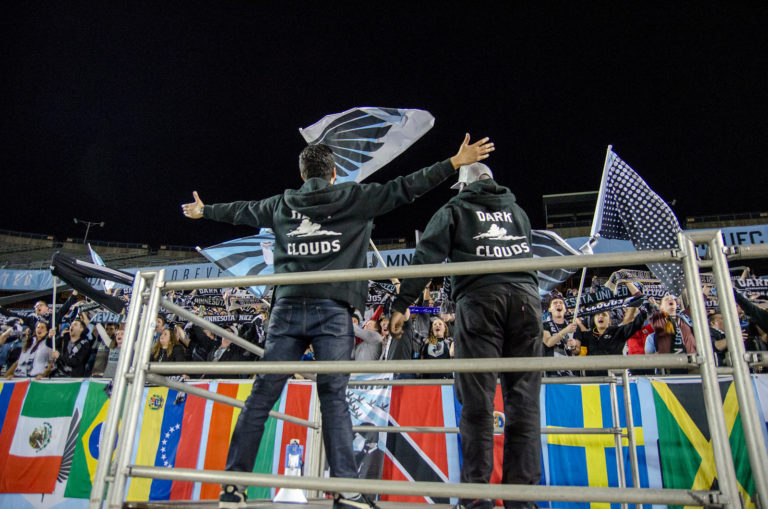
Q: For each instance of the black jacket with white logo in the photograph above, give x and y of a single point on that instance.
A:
(327, 227)
(482, 222)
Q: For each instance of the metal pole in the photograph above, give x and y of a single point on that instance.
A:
(53, 316)
(599, 362)
(630, 429)
(713, 401)
(617, 438)
(750, 420)
(440, 489)
(134, 401)
(435, 269)
(107, 441)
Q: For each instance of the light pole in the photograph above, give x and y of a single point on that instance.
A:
(88, 225)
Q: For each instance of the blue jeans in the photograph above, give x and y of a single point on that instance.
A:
(294, 324)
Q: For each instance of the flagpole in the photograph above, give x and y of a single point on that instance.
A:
(596, 220)
(378, 255)
(53, 315)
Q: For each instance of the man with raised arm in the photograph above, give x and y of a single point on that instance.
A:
(497, 315)
(320, 226)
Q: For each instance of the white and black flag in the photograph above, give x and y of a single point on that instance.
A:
(630, 210)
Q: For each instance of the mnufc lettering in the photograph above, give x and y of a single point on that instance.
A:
(314, 248)
(503, 251)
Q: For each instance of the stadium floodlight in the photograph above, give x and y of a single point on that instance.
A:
(88, 225)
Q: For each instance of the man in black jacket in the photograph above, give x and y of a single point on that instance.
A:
(320, 226)
(497, 315)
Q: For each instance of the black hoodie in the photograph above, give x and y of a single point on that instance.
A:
(482, 222)
(327, 227)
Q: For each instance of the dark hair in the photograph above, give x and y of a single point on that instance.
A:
(316, 161)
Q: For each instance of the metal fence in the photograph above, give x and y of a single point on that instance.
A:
(134, 369)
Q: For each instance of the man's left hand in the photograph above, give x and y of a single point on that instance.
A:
(396, 323)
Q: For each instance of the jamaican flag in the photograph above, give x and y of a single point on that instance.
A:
(685, 444)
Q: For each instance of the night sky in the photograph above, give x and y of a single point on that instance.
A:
(115, 112)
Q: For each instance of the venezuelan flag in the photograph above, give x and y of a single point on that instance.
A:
(158, 441)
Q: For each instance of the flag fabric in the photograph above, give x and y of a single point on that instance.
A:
(158, 441)
(107, 285)
(11, 399)
(549, 243)
(86, 453)
(369, 406)
(40, 438)
(296, 400)
(77, 272)
(247, 256)
(421, 456)
(590, 460)
(628, 209)
(365, 139)
(685, 443)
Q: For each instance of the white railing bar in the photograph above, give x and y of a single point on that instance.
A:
(506, 364)
(437, 489)
(435, 269)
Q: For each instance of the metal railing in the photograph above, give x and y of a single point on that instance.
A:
(134, 370)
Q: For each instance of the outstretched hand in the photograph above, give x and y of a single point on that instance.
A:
(193, 210)
(396, 323)
(473, 153)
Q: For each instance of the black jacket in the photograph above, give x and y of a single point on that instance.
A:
(73, 357)
(482, 222)
(325, 227)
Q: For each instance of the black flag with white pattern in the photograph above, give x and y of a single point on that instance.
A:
(630, 210)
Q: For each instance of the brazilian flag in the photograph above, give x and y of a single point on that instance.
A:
(685, 444)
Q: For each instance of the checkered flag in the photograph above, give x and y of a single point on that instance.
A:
(629, 210)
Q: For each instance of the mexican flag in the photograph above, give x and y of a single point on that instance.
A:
(40, 438)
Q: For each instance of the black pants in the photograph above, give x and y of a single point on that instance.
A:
(495, 321)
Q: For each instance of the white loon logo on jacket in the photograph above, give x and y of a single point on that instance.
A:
(496, 233)
(309, 229)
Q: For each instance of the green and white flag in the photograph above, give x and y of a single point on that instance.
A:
(41, 437)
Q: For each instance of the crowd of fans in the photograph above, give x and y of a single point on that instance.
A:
(32, 346)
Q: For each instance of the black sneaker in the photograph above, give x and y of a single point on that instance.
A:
(478, 503)
(231, 498)
(359, 501)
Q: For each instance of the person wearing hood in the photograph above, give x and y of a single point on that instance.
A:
(497, 315)
(320, 226)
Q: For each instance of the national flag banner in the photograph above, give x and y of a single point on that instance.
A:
(163, 440)
(221, 425)
(685, 443)
(628, 209)
(590, 460)
(549, 243)
(86, 454)
(366, 138)
(189, 442)
(369, 406)
(247, 256)
(421, 456)
(40, 438)
(11, 399)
